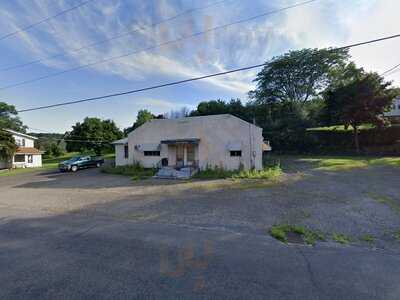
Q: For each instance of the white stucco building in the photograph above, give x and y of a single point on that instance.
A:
(26, 156)
(221, 141)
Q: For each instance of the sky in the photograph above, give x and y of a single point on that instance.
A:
(155, 44)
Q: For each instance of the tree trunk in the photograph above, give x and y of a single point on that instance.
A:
(356, 141)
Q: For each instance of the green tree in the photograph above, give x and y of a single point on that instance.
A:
(142, 117)
(55, 149)
(234, 107)
(46, 142)
(364, 100)
(213, 107)
(7, 146)
(93, 134)
(297, 76)
(9, 118)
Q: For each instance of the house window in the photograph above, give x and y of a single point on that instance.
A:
(126, 151)
(151, 153)
(19, 158)
(236, 153)
(23, 142)
(30, 159)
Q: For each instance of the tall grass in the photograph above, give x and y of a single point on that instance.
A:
(267, 173)
(136, 171)
(220, 173)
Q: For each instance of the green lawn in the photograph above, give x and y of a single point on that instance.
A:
(337, 163)
(341, 128)
(49, 164)
(348, 163)
(27, 170)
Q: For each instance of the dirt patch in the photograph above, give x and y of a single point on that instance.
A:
(294, 238)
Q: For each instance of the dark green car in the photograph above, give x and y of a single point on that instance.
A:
(80, 162)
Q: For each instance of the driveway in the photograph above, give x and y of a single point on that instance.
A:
(102, 236)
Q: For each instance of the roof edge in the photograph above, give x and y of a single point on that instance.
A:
(21, 134)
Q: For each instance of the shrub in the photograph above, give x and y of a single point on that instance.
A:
(136, 171)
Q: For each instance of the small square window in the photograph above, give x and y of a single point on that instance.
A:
(30, 159)
(236, 153)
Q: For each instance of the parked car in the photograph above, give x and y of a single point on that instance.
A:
(80, 162)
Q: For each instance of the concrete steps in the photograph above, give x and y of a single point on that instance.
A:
(172, 173)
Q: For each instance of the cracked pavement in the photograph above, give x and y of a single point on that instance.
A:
(91, 235)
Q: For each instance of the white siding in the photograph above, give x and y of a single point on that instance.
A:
(395, 111)
(120, 159)
(24, 141)
(36, 161)
(20, 140)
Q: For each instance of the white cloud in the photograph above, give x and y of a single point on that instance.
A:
(319, 24)
(378, 21)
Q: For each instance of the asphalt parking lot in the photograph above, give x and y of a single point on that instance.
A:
(103, 236)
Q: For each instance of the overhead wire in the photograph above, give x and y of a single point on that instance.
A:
(112, 38)
(157, 45)
(189, 79)
(30, 26)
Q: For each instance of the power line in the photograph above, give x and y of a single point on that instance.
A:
(65, 140)
(120, 35)
(28, 27)
(156, 46)
(369, 42)
(390, 70)
(190, 79)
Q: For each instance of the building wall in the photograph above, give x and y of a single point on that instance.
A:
(36, 162)
(120, 159)
(28, 142)
(395, 111)
(214, 132)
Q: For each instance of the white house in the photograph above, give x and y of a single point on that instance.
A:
(221, 141)
(26, 156)
(394, 113)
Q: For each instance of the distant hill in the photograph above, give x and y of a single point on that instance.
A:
(46, 139)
